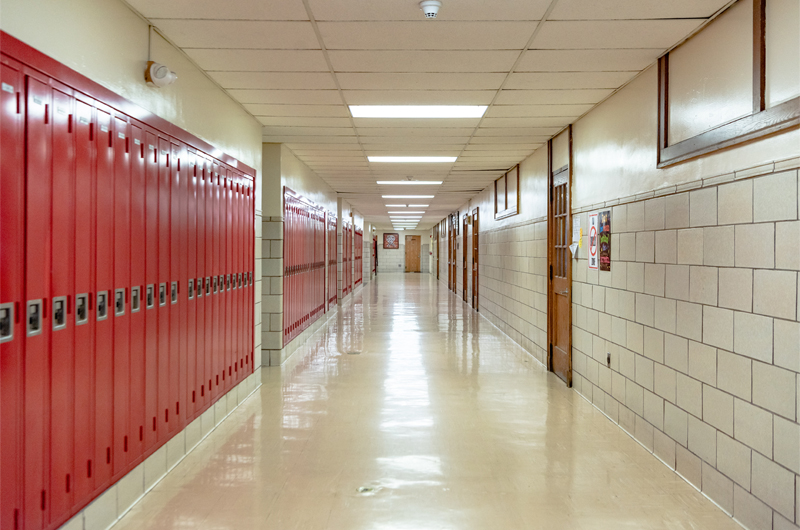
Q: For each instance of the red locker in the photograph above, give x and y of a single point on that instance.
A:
(235, 316)
(191, 394)
(61, 299)
(83, 317)
(37, 291)
(210, 293)
(200, 304)
(217, 316)
(152, 308)
(104, 289)
(12, 291)
(121, 296)
(138, 256)
(163, 296)
(228, 253)
(177, 363)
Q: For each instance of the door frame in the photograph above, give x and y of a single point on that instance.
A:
(550, 256)
(475, 253)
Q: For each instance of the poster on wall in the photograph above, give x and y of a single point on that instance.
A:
(391, 241)
(604, 236)
(593, 241)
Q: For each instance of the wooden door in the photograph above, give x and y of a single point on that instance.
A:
(437, 250)
(475, 227)
(413, 246)
(559, 225)
(464, 258)
(453, 252)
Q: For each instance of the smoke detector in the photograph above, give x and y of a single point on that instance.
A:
(430, 7)
(157, 75)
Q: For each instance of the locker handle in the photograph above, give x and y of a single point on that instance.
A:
(34, 317)
(81, 308)
(59, 312)
(6, 322)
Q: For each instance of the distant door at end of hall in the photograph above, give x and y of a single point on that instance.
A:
(413, 246)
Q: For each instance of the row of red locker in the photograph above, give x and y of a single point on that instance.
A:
(347, 258)
(358, 249)
(304, 231)
(126, 284)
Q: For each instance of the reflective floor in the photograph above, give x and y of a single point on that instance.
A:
(410, 411)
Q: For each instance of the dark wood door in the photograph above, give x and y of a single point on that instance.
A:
(437, 251)
(413, 246)
(464, 258)
(453, 252)
(560, 265)
(475, 229)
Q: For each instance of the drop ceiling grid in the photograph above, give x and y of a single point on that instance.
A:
(268, 56)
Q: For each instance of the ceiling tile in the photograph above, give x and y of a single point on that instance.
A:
(418, 97)
(231, 60)
(422, 61)
(284, 121)
(613, 34)
(542, 97)
(462, 10)
(307, 97)
(275, 80)
(214, 9)
(530, 111)
(419, 81)
(331, 111)
(531, 140)
(508, 153)
(422, 35)
(310, 131)
(568, 80)
(635, 9)
(310, 147)
(524, 146)
(587, 60)
(311, 139)
(546, 132)
(239, 34)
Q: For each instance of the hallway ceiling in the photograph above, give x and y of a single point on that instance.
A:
(538, 64)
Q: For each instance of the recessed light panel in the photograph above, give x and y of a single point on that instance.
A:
(417, 111)
(404, 212)
(407, 196)
(407, 182)
(413, 159)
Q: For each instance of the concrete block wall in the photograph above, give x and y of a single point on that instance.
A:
(272, 291)
(700, 315)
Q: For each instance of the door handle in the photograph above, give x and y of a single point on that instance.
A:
(565, 292)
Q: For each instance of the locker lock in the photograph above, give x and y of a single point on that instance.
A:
(162, 294)
(214, 283)
(228, 282)
(119, 302)
(191, 288)
(150, 296)
(34, 323)
(81, 309)
(136, 298)
(174, 293)
(208, 286)
(59, 312)
(199, 287)
(102, 305)
(6, 322)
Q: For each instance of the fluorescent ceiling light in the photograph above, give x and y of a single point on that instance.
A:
(406, 212)
(417, 182)
(406, 205)
(414, 159)
(407, 196)
(417, 111)
(417, 205)
(405, 217)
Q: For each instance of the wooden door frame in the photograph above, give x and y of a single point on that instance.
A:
(550, 257)
(464, 260)
(475, 254)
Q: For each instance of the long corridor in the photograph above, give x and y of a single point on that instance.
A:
(408, 410)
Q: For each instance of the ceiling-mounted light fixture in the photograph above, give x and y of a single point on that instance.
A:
(407, 196)
(418, 111)
(423, 182)
(414, 159)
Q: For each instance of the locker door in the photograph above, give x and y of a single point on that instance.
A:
(201, 384)
(12, 329)
(235, 271)
(177, 220)
(152, 279)
(61, 296)
(192, 393)
(37, 291)
(210, 297)
(227, 270)
(137, 294)
(163, 294)
(83, 316)
(215, 272)
(121, 297)
(104, 289)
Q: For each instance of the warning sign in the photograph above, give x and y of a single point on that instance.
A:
(593, 241)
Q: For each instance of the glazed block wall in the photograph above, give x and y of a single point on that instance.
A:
(127, 286)
(700, 315)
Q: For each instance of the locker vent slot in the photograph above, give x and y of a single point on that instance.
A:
(81, 309)
(34, 322)
(59, 312)
(6, 322)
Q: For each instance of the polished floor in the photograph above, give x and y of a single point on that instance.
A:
(407, 410)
